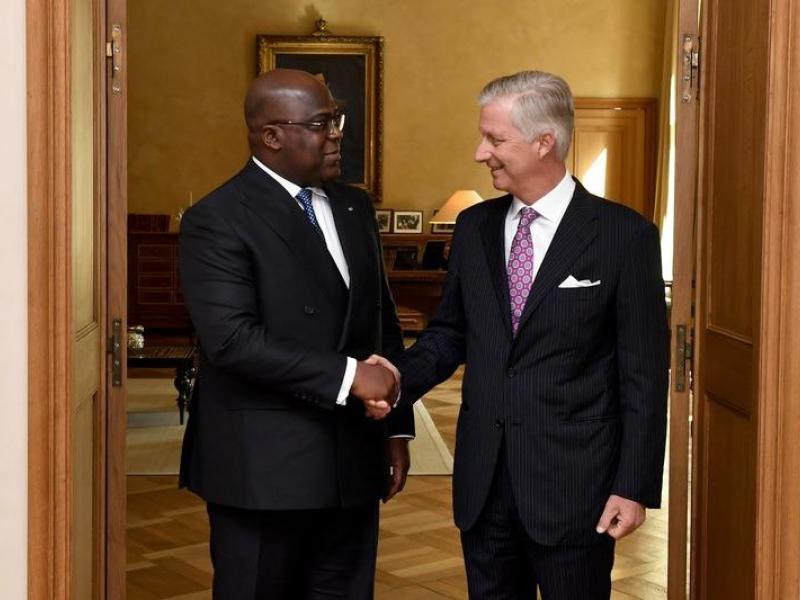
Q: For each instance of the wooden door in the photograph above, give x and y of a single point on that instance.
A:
(97, 299)
(683, 282)
(613, 150)
(729, 384)
(87, 293)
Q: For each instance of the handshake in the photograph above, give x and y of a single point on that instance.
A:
(377, 385)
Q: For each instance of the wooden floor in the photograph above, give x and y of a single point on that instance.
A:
(419, 555)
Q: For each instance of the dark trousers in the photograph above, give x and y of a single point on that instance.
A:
(293, 555)
(504, 563)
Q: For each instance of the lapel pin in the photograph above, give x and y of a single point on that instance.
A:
(349, 209)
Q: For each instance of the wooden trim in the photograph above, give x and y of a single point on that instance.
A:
(650, 108)
(99, 461)
(704, 124)
(117, 301)
(686, 142)
(49, 303)
(778, 492)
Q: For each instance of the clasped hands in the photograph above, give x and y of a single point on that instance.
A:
(377, 385)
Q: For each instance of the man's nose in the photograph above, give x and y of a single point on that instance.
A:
(482, 153)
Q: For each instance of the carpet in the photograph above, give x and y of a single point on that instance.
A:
(154, 434)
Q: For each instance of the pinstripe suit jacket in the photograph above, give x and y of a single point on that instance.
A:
(580, 393)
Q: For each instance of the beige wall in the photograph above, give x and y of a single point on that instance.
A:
(13, 300)
(191, 60)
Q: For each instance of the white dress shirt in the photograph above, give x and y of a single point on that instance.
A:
(324, 213)
(551, 208)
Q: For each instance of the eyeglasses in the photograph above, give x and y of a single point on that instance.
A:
(335, 122)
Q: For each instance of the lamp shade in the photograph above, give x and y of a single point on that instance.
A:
(455, 204)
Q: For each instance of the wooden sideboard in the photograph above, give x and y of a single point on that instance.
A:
(416, 289)
(155, 299)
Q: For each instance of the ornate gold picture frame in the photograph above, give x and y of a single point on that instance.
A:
(352, 67)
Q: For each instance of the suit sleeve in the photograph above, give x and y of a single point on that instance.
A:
(400, 421)
(220, 294)
(643, 365)
(440, 348)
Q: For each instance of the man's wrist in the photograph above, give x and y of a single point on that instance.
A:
(347, 381)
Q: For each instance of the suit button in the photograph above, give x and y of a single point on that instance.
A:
(499, 423)
(511, 372)
(309, 310)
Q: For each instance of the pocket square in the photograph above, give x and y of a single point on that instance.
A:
(571, 282)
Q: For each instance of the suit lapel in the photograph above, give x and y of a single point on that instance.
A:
(493, 235)
(578, 227)
(351, 237)
(281, 213)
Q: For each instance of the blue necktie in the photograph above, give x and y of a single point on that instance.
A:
(304, 195)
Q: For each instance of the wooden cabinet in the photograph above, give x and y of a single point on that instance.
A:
(155, 299)
(417, 290)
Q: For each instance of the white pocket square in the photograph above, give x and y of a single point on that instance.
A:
(571, 282)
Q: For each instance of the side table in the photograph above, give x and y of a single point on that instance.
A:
(180, 358)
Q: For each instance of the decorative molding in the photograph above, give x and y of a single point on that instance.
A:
(49, 305)
(778, 462)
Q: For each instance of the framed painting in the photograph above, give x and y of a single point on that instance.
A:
(352, 68)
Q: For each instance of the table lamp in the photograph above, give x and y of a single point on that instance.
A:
(455, 204)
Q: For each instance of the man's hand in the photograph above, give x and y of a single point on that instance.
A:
(399, 463)
(376, 387)
(377, 359)
(620, 517)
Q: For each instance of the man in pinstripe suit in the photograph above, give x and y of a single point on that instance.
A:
(561, 433)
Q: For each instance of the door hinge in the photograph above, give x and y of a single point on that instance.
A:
(690, 67)
(114, 52)
(684, 352)
(115, 350)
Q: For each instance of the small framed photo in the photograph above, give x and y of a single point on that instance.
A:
(384, 216)
(407, 221)
(443, 227)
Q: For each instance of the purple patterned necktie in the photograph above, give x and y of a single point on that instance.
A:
(520, 266)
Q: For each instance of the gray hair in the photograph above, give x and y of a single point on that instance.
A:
(542, 103)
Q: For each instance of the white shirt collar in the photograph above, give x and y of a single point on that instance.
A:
(291, 188)
(553, 204)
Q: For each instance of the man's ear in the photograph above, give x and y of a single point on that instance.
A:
(547, 144)
(271, 137)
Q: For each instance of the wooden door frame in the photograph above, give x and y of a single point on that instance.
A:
(49, 299)
(778, 462)
(50, 320)
(116, 169)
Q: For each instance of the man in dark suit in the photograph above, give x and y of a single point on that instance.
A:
(282, 275)
(554, 300)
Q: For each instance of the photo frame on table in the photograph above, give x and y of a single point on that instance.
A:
(384, 217)
(407, 221)
(443, 227)
(352, 68)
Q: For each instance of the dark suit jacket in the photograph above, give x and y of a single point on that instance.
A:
(580, 393)
(275, 323)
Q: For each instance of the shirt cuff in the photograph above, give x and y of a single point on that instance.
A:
(401, 436)
(347, 381)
